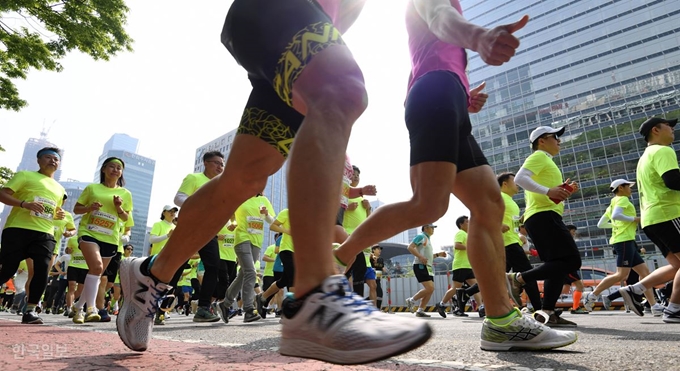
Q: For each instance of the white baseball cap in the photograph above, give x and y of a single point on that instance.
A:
(545, 130)
(170, 207)
(615, 184)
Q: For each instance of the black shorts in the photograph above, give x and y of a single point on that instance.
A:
(550, 236)
(106, 250)
(571, 278)
(665, 235)
(627, 255)
(76, 274)
(274, 41)
(340, 216)
(463, 274)
(421, 273)
(111, 270)
(267, 281)
(438, 122)
(19, 244)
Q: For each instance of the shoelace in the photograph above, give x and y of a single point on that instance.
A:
(157, 295)
(350, 299)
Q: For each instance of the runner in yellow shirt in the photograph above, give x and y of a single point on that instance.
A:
(658, 178)
(36, 200)
(103, 205)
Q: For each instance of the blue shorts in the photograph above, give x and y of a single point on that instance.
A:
(187, 289)
(627, 255)
(370, 274)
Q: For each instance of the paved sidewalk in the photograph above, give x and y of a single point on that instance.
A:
(44, 347)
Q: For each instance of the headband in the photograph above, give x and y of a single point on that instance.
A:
(48, 152)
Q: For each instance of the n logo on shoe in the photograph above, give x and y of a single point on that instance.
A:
(139, 294)
(319, 316)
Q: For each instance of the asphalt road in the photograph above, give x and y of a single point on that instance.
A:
(607, 341)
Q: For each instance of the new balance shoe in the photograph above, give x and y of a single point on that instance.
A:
(514, 289)
(671, 317)
(142, 295)
(205, 315)
(334, 325)
(657, 310)
(31, 318)
(422, 314)
(441, 310)
(631, 302)
(589, 301)
(411, 304)
(523, 333)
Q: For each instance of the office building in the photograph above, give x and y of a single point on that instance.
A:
(597, 68)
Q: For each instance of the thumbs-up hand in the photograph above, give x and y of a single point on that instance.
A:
(477, 98)
(497, 45)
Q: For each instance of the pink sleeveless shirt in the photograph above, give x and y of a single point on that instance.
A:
(428, 53)
(330, 7)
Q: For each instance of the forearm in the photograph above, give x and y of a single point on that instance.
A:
(617, 214)
(447, 24)
(157, 239)
(269, 219)
(8, 198)
(523, 179)
(604, 223)
(80, 209)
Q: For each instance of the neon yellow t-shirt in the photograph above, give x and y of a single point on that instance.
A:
(249, 221)
(61, 226)
(269, 266)
(194, 268)
(622, 231)
(32, 186)
(460, 257)
(511, 219)
(23, 266)
(227, 245)
(546, 174)
(77, 258)
(160, 228)
(192, 183)
(286, 240)
(353, 218)
(185, 279)
(103, 224)
(658, 203)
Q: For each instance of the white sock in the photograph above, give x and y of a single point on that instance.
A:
(441, 304)
(90, 289)
(639, 288)
(115, 307)
(420, 310)
(672, 307)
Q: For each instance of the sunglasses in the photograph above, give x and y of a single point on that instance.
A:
(218, 163)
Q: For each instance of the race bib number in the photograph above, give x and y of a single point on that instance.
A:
(229, 240)
(255, 225)
(102, 222)
(77, 258)
(515, 223)
(49, 206)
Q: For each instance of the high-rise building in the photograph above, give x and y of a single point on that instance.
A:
(122, 142)
(29, 162)
(73, 189)
(276, 189)
(138, 174)
(599, 69)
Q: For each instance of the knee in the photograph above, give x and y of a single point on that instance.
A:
(342, 95)
(488, 209)
(96, 269)
(428, 208)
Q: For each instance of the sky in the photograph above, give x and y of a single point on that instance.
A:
(180, 88)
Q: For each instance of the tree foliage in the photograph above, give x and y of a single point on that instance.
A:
(5, 172)
(38, 33)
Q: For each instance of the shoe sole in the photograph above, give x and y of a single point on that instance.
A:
(206, 320)
(125, 270)
(517, 300)
(34, 322)
(630, 303)
(223, 313)
(312, 350)
(254, 319)
(500, 347)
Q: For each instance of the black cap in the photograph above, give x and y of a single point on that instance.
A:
(648, 125)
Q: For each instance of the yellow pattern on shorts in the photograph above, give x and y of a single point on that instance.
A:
(306, 43)
(267, 127)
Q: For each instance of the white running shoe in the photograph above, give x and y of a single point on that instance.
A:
(589, 301)
(523, 333)
(334, 325)
(411, 304)
(142, 296)
(657, 310)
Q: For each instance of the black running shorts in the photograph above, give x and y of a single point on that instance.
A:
(274, 40)
(438, 122)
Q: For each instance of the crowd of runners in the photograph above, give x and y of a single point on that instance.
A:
(307, 89)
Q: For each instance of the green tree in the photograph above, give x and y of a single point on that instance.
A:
(38, 33)
(5, 172)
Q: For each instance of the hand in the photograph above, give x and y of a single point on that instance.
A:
(504, 228)
(366, 204)
(70, 233)
(59, 214)
(263, 210)
(117, 201)
(642, 250)
(558, 193)
(637, 219)
(352, 206)
(125, 238)
(573, 185)
(423, 260)
(477, 99)
(221, 237)
(231, 227)
(95, 206)
(497, 45)
(170, 232)
(369, 190)
(34, 206)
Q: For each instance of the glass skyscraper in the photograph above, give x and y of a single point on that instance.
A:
(597, 68)
(122, 142)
